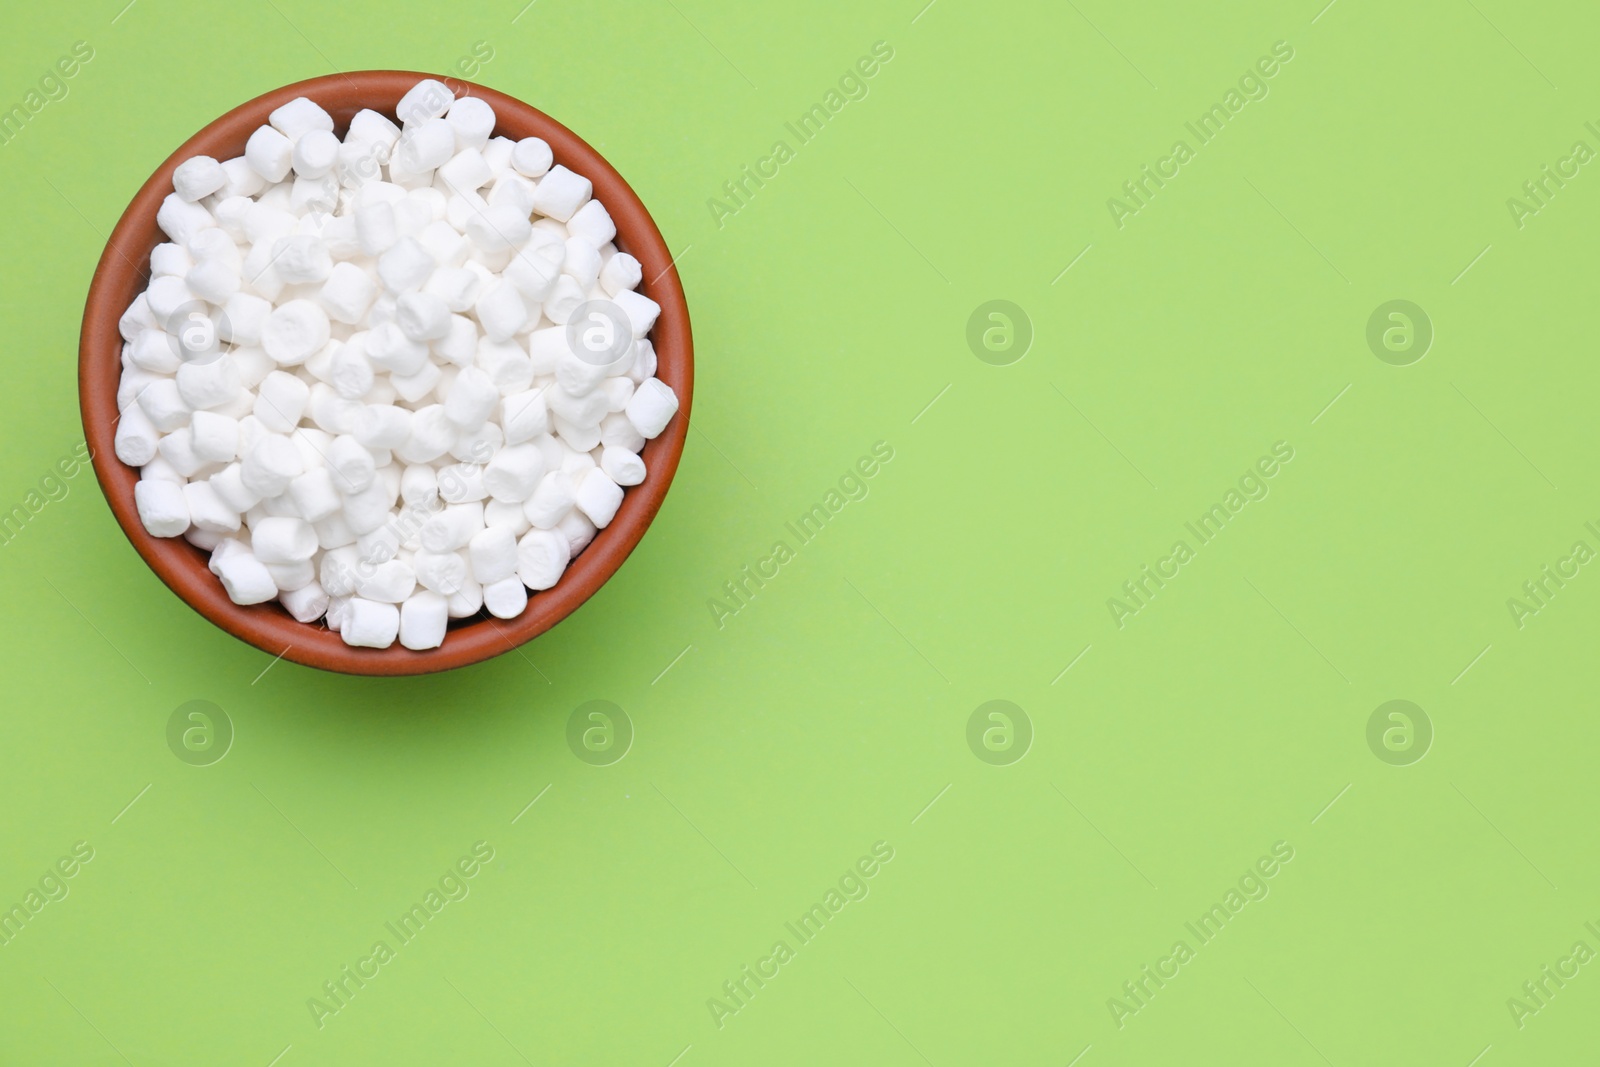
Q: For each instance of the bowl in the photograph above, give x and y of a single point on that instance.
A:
(123, 272)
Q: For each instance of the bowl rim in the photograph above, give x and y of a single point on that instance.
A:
(122, 273)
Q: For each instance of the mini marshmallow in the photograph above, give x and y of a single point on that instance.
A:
(405, 266)
(531, 157)
(426, 146)
(431, 435)
(640, 309)
(299, 117)
(246, 579)
(207, 510)
(422, 316)
(495, 228)
(622, 466)
(552, 499)
(164, 405)
(208, 385)
(368, 624)
(215, 437)
(542, 556)
(577, 529)
(305, 604)
(501, 311)
(283, 540)
(424, 618)
(198, 176)
(473, 121)
(389, 582)
(466, 171)
(524, 416)
(314, 494)
(506, 598)
(561, 193)
(471, 399)
(348, 293)
(452, 528)
(351, 465)
(428, 99)
(492, 553)
(136, 437)
(466, 601)
(444, 573)
(513, 474)
(294, 332)
(621, 272)
(268, 467)
(598, 497)
(281, 401)
(388, 347)
(301, 259)
(269, 153)
(592, 223)
(162, 507)
(315, 153)
(652, 406)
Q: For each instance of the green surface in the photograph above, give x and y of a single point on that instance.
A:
(775, 747)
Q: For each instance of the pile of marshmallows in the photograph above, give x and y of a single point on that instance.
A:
(388, 381)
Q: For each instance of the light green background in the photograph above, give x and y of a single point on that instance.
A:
(831, 711)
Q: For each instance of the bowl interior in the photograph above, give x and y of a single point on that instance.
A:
(123, 272)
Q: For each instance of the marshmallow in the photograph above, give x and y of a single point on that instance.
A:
(531, 157)
(423, 621)
(501, 311)
(301, 259)
(513, 474)
(389, 582)
(577, 529)
(426, 146)
(552, 499)
(428, 99)
(452, 527)
(305, 604)
(314, 494)
(506, 598)
(473, 122)
(560, 193)
(495, 228)
(283, 540)
(466, 601)
(493, 554)
(444, 573)
(422, 316)
(348, 293)
(162, 507)
(294, 332)
(471, 399)
(622, 466)
(542, 556)
(198, 176)
(592, 223)
(299, 117)
(208, 385)
(598, 497)
(136, 437)
(388, 347)
(621, 272)
(368, 624)
(269, 153)
(207, 510)
(351, 465)
(315, 153)
(281, 400)
(406, 265)
(215, 437)
(524, 416)
(246, 579)
(652, 406)
(267, 468)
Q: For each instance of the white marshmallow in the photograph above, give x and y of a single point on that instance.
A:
(428, 99)
(301, 259)
(207, 510)
(136, 437)
(505, 599)
(315, 153)
(283, 540)
(281, 401)
(368, 624)
(501, 311)
(215, 437)
(268, 467)
(513, 474)
(294, 332)
(404, 266)
(452, 528)
(424, 618)
(621, 272)
(622, 466)
(426, 146)
(348, 293)
(560, 193)
(592, 223)
(305, 604)
(552, 499)
(524, 416)
(269, 153)
(472, 398)
(245, 579)
(493, 555)
(299, 117)
(531, 157)
(598, 497)
(197, 176)
(652, 406)
(389, 582)
(444, 573)
(542, 556)
(162, 507)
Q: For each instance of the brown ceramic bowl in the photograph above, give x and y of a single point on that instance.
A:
(123, 272)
